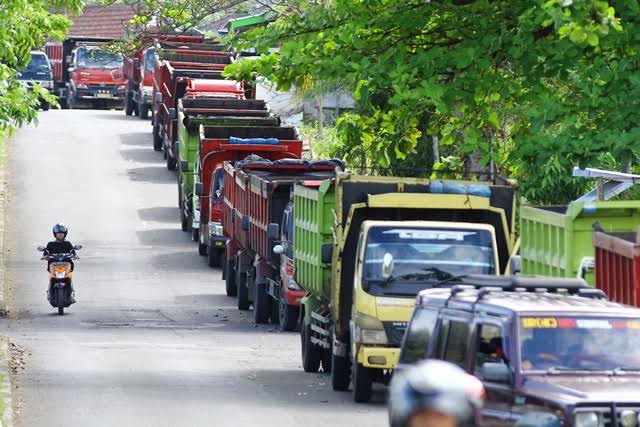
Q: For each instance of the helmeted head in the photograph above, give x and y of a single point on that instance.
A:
(435, 393)
(60, 231)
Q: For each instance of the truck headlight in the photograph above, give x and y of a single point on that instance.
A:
(369, 330)
(588, 419)
(368, 336)
(628, 418)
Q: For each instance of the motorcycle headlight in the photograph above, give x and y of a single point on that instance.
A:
(60, 274)
(588, 419)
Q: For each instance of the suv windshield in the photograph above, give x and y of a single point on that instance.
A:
(98, 58)
(579, 343)
(38, 63)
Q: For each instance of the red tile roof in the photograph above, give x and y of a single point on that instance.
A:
(102, 21)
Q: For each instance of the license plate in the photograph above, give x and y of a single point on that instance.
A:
(104, 95)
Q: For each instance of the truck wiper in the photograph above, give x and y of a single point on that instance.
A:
(429, 273)
(557, 369)
(622, 369)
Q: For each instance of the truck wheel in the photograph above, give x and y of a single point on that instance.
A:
(129, 105)
(158, 143)
(143, 111)
(202, 249)
(214, 257)
(261, 303)
(340, 372)
(288, 315)
(310, 353)
(184, 221)
(171, 161)
(242, 291)
(195, 234)
(362, 383)
(230, 279)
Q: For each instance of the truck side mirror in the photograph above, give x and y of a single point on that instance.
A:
(40, 248)
(67, 59)
(327, 252)
(77, 247)
(273, 231)
(495, 372)
(70, 70)
(515, 263)
(387, 265)
(173, 114)
(184, 166)
(157, 98)
(278, 249)
(245, 223)
(136, 62)
(198, 189)
(538, 419)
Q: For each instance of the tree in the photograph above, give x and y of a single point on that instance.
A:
(537, 86)
(26, 25)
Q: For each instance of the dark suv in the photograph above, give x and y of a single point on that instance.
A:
(538, 345)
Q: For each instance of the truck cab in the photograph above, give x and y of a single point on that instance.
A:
(395, 261)
(38, 71)
(95, 76)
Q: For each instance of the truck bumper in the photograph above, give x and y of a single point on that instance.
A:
(105, 93)
(378, 357)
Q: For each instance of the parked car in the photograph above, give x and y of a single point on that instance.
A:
(538, 344)
(38, 71)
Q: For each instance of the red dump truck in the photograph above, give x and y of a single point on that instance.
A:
(138, 71)
(84, 73)
(191, 74)
(617, 266)
(235, 143)
(255, 199)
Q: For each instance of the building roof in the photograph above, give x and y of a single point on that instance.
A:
(102, 21)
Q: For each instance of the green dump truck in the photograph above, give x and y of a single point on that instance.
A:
(365, 246)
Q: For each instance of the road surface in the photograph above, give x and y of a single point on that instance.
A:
(153, 340)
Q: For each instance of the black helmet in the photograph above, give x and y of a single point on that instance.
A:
(60, 228)
(436, 385)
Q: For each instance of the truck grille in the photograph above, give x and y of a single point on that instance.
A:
(607, 412)
(395, 332)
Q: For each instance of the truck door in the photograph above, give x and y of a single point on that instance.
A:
(489, 348)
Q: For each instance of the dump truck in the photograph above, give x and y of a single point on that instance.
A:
(138, 71)
(193, 112)
(182, 73)
(617, 265)
(256, 194)
(365, 246)
(558, 240)
(231, 143)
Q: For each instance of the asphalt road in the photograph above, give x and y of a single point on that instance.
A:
(152, 340)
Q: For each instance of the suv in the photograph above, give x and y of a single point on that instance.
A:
(38, 71)
(538, 344)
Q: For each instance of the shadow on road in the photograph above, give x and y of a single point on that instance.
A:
(168, 214)
(165, 238)
(139, 139)
(153, 174)
(141, 155)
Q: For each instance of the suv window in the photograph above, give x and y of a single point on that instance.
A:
(418, 335)
(489, 345)
(455, 350)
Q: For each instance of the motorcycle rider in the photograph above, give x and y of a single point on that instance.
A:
(61, 246)
(434, 393)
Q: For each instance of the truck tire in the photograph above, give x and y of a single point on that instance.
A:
(261, 303)
(171, 161)
(230, 279)
(214, 256)
(362, 383)
(184, 221)
(275, 311)
(195, 234)
(202, 249)
(340, 372)
(310, 353)
(129, 105)
(143, 111)
(158, 143)
(288, 315)
(242, 291)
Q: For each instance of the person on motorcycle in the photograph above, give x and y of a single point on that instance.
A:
(60, 245)
(434, 393)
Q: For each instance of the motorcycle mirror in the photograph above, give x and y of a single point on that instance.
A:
(77, 247)
(40, 248)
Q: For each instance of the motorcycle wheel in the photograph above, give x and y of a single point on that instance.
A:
(60, 301)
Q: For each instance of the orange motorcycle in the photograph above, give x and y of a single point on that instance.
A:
(60, 293)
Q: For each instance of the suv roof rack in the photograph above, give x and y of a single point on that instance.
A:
(487, 284)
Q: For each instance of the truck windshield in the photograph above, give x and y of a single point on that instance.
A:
(38, 63)
(437, 252)
(149, 60)
(98, 58)
(559, 344)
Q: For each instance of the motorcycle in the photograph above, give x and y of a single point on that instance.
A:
(60, 292)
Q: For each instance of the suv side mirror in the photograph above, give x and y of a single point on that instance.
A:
(327, 252)
(538, 419)
(273, 231)
(40, 248)
(278, 249)
(515, 265)
(198, 189)
(495, 372)
(77, 247)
